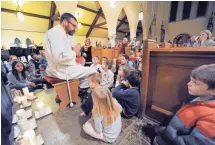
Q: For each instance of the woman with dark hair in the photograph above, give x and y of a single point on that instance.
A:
(86, 52)
(17, 78)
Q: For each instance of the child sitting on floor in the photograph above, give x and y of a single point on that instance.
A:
(122, 74)
(106, 116)
(194, 123)
(107, 75)
(96, 64)
(17, 78)
(128, 94)
(87, 105)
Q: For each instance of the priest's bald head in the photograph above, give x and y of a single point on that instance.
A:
(69, 23)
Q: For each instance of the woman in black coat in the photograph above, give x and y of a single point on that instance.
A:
(86, 51)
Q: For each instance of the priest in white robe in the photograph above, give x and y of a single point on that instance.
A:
(61, 59)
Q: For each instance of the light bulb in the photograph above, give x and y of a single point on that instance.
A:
(20, 16)
(79, 25)
(140, 16)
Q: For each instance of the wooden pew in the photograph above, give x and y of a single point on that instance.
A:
(165, 74)
(115, 53)
(127, 50)
(109, 53)
(97, 51)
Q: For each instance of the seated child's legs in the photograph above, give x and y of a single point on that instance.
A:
(123, 115)
(82, 93)
(88, 129)
(87, 104)
(159, 141)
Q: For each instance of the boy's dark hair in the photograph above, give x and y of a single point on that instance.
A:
(125, 56)
(66, 16)
(32, 55)
(206, 74)
(134, 78)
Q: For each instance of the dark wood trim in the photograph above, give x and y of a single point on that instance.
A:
(25, 13)
(121, 22)
(148, 44)
(22, 30)
(121, 31)
(88, 25)
(94, 22)
(100, 24)
(124, 22)
(87, 9)
(127, 34)
(52, 13)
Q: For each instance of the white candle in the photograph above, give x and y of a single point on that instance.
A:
(30, 95)
(20, 113)
(25, 91)
(24, 101)
(31, 136)
(24, 125)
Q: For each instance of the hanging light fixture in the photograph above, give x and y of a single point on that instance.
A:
(18, 2)
(112, 3)
(19, 12)
(20, 16)
(78, 15)
(79, 25)
(140, 16)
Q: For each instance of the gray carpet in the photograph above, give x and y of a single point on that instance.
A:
(65, 127)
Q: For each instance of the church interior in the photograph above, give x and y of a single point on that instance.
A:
(107, 72)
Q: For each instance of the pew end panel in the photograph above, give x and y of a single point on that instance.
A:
(165, 74)
(63, 94)
(97, 51)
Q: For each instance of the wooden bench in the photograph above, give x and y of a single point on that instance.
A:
(165, 74)
(62, 93)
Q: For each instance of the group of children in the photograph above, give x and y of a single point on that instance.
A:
(113, 93)
(192, 124)
(31, 75)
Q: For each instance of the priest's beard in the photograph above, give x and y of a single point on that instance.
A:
(69, 31)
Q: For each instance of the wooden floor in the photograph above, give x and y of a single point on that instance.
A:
(65, 128)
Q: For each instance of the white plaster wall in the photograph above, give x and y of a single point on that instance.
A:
(111, 15)
(193, 26)
(132, 10)
(66, 6)
(80, 39)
